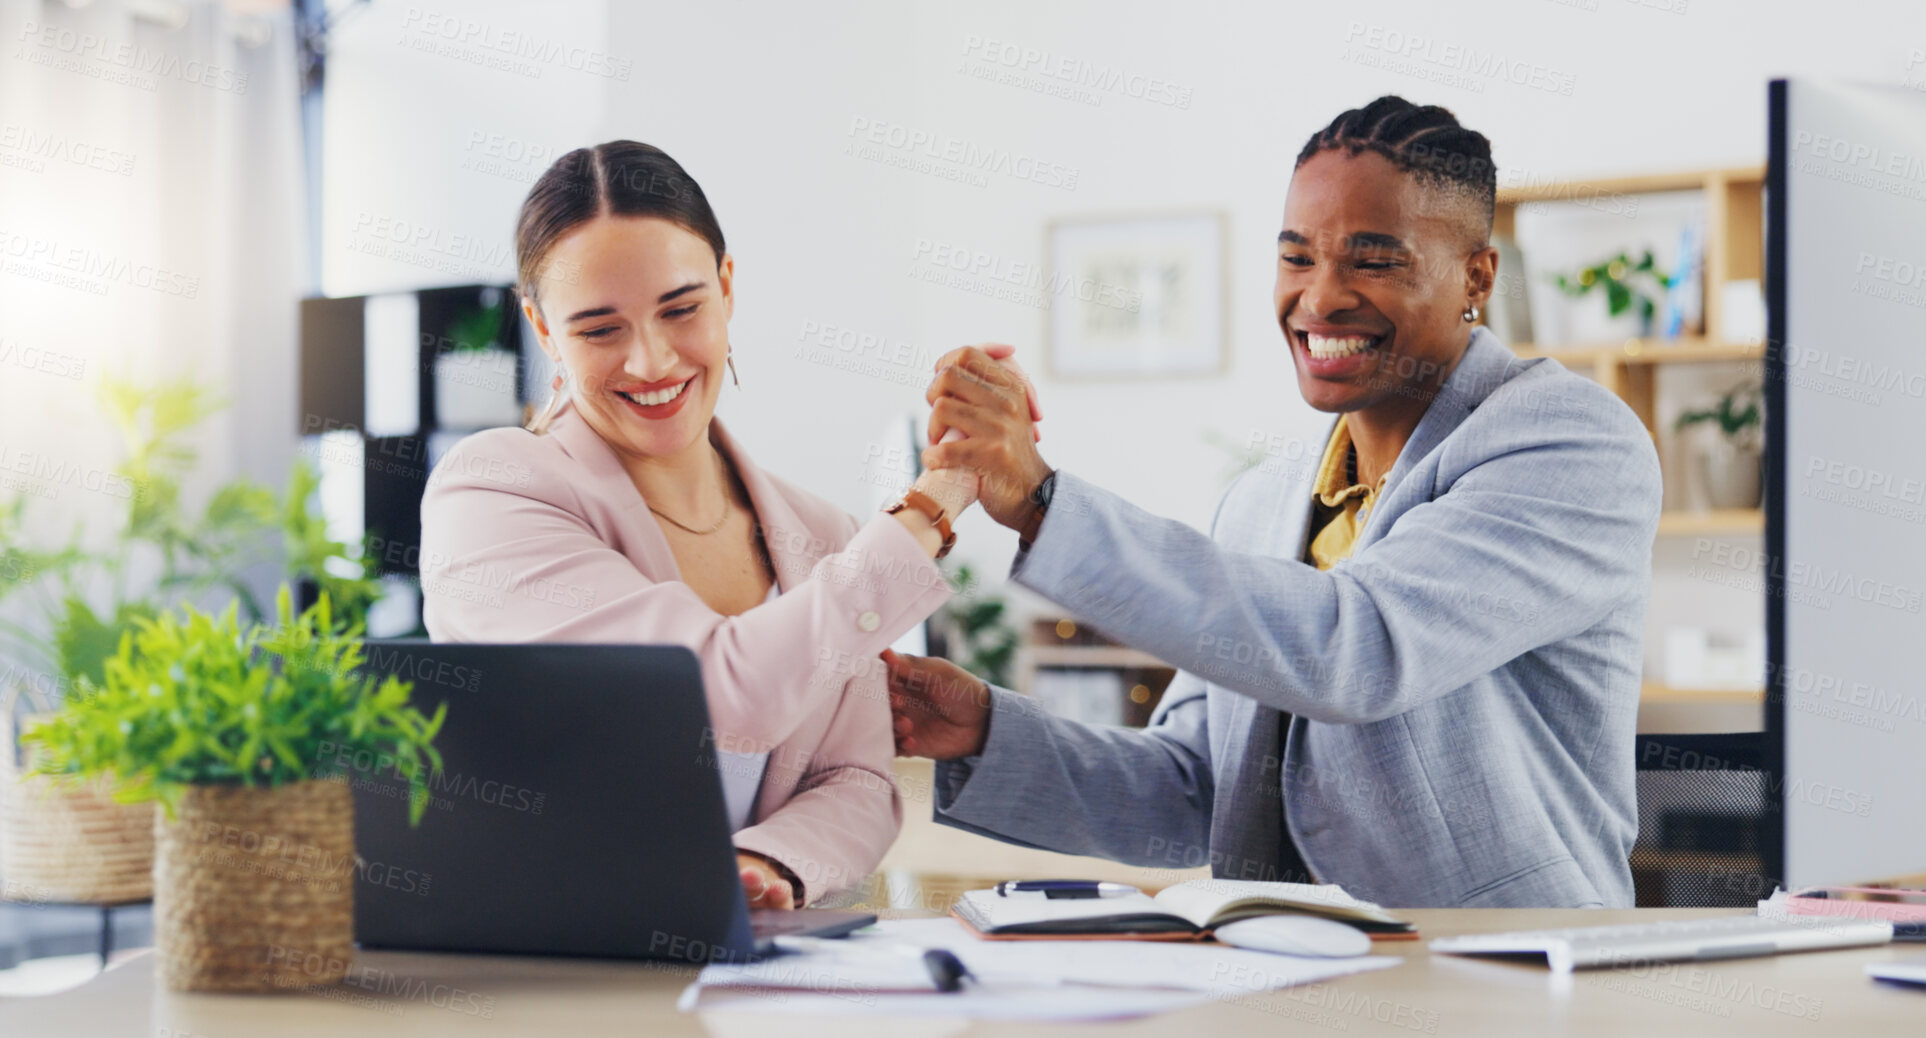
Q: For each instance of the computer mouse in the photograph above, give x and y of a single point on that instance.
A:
(1296, 935)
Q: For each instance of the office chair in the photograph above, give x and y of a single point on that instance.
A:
(1702, 801)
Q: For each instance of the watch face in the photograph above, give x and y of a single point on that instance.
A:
(1041, 495)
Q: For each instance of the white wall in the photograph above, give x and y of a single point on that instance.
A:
(759, 99)
(438, 117)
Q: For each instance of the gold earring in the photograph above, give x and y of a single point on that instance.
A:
(730, 358)
(558, 393)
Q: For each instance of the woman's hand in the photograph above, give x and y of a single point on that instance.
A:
(954, 489)
(763, 884)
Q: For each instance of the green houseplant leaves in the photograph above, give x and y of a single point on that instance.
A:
(1740, 414)
(88, 596)
(193, 699)
(1619, 277)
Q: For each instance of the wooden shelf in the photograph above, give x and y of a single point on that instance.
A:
(1586, 190)
(1654, 692)
(1718, 521)
(1100, 656)
(1660, 859)
(1683, 350)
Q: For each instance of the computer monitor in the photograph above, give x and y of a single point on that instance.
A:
(1845, 563)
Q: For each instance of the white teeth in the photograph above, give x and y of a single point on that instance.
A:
(1326, 348)
(660, 396)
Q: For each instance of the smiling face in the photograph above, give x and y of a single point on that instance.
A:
(1375, 270)
(642, 327)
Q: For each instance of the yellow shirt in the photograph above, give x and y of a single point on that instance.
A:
(1342, 505)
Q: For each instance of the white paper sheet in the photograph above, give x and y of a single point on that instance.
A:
(1069, 1003)
(1040, 980)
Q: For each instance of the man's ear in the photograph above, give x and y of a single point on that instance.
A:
(1481, 275)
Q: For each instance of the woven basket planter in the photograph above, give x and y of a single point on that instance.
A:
(62, 841)
(254, 887)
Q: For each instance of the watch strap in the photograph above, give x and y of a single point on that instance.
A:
(1039, 506)
(914, 498)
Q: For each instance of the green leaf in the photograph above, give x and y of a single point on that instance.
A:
(1617, 297)
(83, 641)
(193, 699)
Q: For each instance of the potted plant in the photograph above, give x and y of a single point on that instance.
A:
(475, 377)
(76, 843)
(979, 637)
(239, 734)
(1729, 467)
(1633, 287)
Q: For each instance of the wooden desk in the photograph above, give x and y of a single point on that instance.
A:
(1813, 995)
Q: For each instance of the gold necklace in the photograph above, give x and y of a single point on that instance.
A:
(720, 471)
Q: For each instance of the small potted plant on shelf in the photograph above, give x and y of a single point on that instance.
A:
(475, 375)
(1729, 468)
(239, 734)
(1630, 286)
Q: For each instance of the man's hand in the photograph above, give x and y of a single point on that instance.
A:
(763, 884)
(937, 709)
(994, 407)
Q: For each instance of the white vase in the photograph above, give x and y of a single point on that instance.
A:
(1588, 324)
(1730, 475)
(475, 389)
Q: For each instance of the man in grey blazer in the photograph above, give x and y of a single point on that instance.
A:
(1419, 681)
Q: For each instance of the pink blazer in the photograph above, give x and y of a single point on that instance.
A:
(528, 538)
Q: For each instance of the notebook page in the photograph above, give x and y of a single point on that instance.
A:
(1200, 899)
(989, 910)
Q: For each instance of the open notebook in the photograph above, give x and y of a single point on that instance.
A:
(1187, 911)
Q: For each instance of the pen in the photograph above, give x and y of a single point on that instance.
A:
(945, 969)
(1058, 889)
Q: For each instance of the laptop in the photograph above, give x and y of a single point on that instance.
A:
(579, 811)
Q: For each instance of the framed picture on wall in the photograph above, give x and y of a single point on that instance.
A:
(1137, 296)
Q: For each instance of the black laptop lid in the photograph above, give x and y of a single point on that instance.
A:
(578, 811)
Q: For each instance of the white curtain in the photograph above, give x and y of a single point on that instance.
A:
(151, 223)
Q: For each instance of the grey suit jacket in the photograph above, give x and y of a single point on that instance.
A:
(1463, 689)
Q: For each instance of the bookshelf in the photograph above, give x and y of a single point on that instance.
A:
(1055, 647)
(387, 382)
(1734, 250)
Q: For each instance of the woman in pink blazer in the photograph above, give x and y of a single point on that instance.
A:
(626, 513)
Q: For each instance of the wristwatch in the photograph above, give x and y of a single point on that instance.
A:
(914, 498)
(1039, 504)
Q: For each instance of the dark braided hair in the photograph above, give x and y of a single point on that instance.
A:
(1422, 140)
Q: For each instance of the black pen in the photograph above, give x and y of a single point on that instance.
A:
(1059, 889)
(946, 971)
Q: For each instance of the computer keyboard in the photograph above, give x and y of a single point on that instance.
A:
(1723, 937)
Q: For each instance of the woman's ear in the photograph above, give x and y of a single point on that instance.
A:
(726, 278)
(533, 311)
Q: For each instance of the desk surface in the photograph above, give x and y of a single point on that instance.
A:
(1812, 994)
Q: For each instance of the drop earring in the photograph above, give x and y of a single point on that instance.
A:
(1471, 313)
(730, 359)
(558, 387)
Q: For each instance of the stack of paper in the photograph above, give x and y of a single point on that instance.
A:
(1054, 980)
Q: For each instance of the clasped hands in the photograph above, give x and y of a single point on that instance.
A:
(983, 434)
